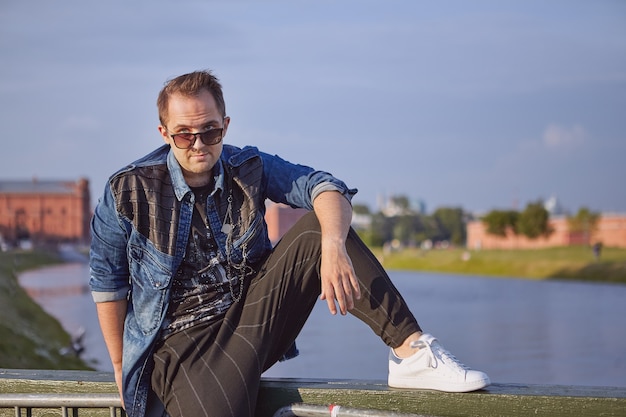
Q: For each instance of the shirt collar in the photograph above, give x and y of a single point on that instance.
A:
(178, 180)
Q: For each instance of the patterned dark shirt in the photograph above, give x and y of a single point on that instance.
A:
(200, 290)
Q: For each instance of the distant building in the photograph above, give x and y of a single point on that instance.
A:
(44, 211)
(553, 206)
(610, 231)
(361, 221)
(399, 205)
(280, 218)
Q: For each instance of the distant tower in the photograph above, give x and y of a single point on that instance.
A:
(380, 202)
(553, 206)
(420, 206)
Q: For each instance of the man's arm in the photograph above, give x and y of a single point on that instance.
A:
(111, 315)
(339, 281)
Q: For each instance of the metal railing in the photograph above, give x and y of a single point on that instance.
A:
(333, 410)
(68, 404)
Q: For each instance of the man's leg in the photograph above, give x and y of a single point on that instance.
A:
(381, 306)
(297, 257)
(425, 364)
(216, 369)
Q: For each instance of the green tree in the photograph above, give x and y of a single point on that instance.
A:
(499, 221)
(402, 202)
(451, 224)
(533, 221)
(360, 209)
(381, 229)
(370, 238)
(584, 221)
(428, 229)
(404, 228)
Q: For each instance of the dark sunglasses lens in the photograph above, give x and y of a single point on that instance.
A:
(211, 137)
(183, 140)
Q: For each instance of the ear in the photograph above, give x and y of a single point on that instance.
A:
(226, 123)
(164, 134)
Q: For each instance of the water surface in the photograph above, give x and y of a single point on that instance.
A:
(518, 331)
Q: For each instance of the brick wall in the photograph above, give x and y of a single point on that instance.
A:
(610, 230)
(46, 212)
(280, 218)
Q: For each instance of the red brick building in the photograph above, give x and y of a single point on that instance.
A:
(45, 211)
(280, 218)
(610, 231)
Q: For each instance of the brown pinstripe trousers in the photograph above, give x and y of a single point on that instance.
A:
(215, 369)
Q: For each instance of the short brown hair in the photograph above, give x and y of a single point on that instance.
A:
(190, 85)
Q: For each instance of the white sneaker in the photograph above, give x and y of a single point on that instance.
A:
(433, 367)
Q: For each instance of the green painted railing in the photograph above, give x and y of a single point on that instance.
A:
(496, 400)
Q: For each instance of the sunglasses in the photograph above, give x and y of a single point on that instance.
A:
(208, 137)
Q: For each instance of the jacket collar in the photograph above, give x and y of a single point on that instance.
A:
(178, 180)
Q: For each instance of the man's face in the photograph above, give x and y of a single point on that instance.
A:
(194, 115)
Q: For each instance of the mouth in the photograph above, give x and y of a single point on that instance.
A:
(199, 155)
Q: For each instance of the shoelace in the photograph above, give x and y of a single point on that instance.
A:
(437, 353)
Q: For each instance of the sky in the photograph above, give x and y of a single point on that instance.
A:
(481, 105)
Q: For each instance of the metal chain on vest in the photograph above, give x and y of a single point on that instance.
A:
(227, 227)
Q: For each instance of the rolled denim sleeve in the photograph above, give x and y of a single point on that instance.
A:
(298, 185)
(108, 262)
(331, 186)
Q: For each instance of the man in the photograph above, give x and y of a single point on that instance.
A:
(193, 301)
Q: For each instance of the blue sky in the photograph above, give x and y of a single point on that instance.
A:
(482, 104)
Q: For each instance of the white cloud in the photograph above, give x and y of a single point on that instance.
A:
(560, 137)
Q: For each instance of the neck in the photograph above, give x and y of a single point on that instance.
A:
(197, 180)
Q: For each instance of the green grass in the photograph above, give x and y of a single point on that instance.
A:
(29, 337)
(574, 262)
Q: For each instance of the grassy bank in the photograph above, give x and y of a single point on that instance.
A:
(29, 337)
(575, 263)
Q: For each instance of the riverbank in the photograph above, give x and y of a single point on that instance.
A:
(29, 337)
(573, 263)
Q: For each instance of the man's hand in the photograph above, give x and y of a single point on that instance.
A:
(339, 280)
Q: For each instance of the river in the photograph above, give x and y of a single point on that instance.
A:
(516, 330)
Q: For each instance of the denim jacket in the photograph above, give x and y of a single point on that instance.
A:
(141, 225)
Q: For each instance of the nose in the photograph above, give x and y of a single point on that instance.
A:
(196, 139)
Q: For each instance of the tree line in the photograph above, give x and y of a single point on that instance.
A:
(411, 228)
(449, 224)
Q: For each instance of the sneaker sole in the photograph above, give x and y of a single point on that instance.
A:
(411, 383)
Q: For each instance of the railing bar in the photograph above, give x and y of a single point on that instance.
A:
(68, 403)
(64, 409)
(114, 411)
(59, 400)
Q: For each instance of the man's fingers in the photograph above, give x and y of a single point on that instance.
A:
(328, 295)
(355, 287)
(341, 293)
